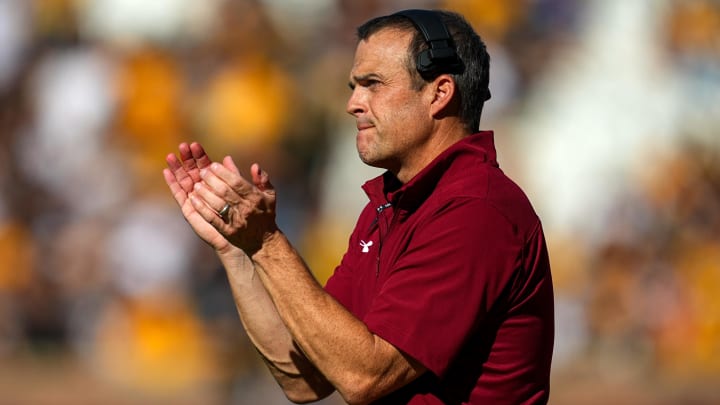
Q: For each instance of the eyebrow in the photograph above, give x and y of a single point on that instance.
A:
(365, 77)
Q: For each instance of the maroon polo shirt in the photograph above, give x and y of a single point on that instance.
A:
(452, 269)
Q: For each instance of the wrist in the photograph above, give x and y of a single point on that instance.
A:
(271, 241)
(230, 255)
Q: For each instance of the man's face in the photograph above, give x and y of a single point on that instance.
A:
(393, 119)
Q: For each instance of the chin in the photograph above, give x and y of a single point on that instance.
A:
(361, 145)
(369, 154)
(365, 159)
(372, 162)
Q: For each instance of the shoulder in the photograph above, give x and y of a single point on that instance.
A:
(482, 192)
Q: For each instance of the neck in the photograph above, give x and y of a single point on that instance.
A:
(445, 134)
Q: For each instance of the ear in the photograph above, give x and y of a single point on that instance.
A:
(443, 95)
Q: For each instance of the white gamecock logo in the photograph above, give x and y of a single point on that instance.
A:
(366, 246)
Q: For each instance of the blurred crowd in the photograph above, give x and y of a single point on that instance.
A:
(606, 112)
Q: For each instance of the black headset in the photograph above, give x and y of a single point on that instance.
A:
(441, 56)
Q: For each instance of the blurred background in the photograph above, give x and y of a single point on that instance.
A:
(606, 112)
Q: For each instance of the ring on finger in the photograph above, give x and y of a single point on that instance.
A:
(223, 213)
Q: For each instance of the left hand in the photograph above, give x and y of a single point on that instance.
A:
(251, 218)
(181, 176)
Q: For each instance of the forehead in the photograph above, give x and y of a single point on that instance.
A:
(384, 51)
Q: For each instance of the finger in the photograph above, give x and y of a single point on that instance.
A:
(173, 162)
(185, 153)
(188, 162)
(261, 178)
(205, 211)
(201, 157)
(226, 183)
(178, 171)
(176, 189)
(229, 163)
(211, 199)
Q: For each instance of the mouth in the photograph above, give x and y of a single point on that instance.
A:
(363, 124)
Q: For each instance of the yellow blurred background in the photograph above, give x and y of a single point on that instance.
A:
(606, 112)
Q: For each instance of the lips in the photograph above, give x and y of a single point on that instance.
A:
(364, 125)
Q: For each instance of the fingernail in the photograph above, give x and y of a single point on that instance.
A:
(197, 186)
(203, 172)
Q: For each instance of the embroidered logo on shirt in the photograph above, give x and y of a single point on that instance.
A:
(366, 246)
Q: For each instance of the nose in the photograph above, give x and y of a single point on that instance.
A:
(355, 105)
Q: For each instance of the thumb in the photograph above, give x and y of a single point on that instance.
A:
(261, 178)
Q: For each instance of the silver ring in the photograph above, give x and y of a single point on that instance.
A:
(224, 211)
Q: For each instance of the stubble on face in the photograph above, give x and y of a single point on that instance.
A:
(386, 106)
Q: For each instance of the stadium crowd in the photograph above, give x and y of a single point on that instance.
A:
(607, 111)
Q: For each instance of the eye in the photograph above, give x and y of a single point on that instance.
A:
(369, 83)
(365, 82)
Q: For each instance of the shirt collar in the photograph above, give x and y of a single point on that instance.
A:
(387, 188)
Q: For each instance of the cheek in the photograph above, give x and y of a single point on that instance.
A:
(395, 114)
(402, 115)
(392, 112)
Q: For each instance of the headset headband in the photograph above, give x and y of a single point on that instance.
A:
(440, 57)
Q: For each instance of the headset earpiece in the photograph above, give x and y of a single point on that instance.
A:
(441, 56)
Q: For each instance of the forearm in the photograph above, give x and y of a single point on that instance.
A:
(292, 307)
(266, 330)
(354, 360)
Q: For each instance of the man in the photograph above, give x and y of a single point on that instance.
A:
(444, 294)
